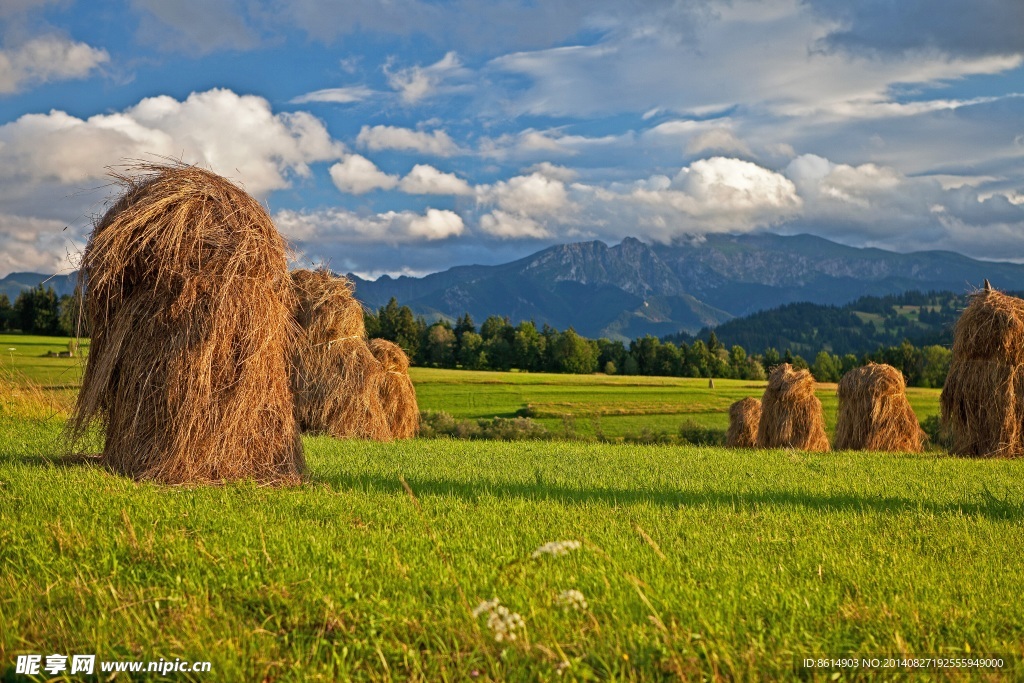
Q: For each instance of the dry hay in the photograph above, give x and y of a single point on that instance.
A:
(791, 415)
(744, 417)
(982, 401)
(874, 413)
(338, 384)
(325, 304)
(188, 300)
(398, 396)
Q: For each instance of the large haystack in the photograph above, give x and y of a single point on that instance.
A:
(338, 383)
(791, 415)
(398, 396)
(874, 413)
(744, 418)
(982, 401)
(188, 301)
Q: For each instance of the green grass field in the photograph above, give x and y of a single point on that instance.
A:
(616, 405)
(695, 563)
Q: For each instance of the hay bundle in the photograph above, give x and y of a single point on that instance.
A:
(398, 396)
(874, 413)
(982, 401)
(791, 415)
(188, 299)
(337, 382)
(744, 418)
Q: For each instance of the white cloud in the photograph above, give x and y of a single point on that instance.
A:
(554, 171)
(717, 140)
(425, 179)
(511, 226)
(416, 83)
(358, 175)
(47, 58)
(739, 56)
(529, 195)
(235, 135)
(35, 245)
(315, 228)
(376, 138)
(348, 95)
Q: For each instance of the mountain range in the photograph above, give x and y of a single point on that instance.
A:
(634, 288)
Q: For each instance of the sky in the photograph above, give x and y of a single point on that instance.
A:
(409, 136)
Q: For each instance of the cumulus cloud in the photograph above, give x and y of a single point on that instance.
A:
(425, 179)
(529, 195)
(35, 245)
(235, 135)
(416, 83)
(717, 140)
(511, 225)
(356, 174)
(313, 228)
(47, 58)
(348, 95)
(437, 143)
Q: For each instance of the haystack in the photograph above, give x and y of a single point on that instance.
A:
(982, 401)
(188, 299)
(874, 413)
(791, 415)
(398, 396)
(744, 418)
(338, 384)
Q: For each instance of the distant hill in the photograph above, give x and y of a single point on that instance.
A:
(13, 284)
(633, 288)
(859, 327)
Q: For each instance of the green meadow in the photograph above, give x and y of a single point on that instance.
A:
(692, 563)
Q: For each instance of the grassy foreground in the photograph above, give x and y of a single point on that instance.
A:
(694, 563)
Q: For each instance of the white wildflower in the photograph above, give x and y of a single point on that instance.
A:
(572, 599)
(503, 622)
(556, 548)
(486, 606)
(562, 666)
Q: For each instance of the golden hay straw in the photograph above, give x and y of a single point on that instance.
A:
(991, 328)
(188, 300)
(398, 396)
(329, 299)
(791, 415)
(982, 401)
(874, 413)
(744, 417)
(337, 382)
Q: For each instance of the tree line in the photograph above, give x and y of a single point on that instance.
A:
(500, 345)
(40, 311)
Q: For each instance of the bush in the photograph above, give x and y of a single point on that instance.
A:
(440, 423)
(692, 433)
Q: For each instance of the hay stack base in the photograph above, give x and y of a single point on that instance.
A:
(398, 396)
(744, 418)
(791, 415)
(338, 384)
(982, 402)
(874, 413)
(188, 299)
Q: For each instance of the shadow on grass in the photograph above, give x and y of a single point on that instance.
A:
(982, 504)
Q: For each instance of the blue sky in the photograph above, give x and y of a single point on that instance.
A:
(410, 136)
